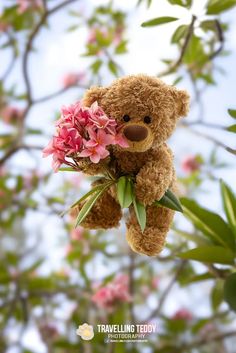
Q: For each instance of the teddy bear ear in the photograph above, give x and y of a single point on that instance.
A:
(182, 99)
(94, 94)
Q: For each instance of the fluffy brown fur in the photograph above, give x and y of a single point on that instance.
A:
(149, 159)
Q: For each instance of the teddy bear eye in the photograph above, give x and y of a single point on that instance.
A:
(147, 119)
(126, 118)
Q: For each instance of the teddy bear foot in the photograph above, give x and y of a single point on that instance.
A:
(150, 242)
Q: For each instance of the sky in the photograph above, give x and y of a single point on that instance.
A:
(59, 53)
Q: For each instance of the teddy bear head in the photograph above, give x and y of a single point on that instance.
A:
(145, 107)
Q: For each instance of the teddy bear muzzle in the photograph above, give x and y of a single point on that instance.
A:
(135, 133)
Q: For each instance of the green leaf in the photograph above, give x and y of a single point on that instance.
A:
(199, 240)
(199, 278)
(230, 290)
(207, 78)
(183, 3)
(215, 7)
(72, 28)
(125, 191)
(229, 203)
(96, 66)
(34, 131)
(232, 113)
(209, 254)
(177, 80)
(195, 52)
(208, 25)
(121, 47)
(169, 200)
(113, 67)
(140, 212)
(149, 2)
(158, 21)
(84, 197)
(231, 128)
(199, 325)
(179, 33)
(217, 294)
(67, 169)
(210, 223)
(90, 203)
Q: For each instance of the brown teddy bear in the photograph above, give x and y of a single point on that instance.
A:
(148, 110)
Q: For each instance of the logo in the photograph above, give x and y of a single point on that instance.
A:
(85, 331)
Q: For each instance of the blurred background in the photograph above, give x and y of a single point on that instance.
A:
(54, 277)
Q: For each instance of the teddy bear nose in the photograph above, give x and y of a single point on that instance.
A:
(135, 133)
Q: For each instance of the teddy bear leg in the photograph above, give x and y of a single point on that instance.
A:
(105, 214)
(152, 240)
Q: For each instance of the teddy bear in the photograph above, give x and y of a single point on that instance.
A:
(147, 109)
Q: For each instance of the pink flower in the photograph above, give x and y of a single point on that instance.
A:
(95, 153)
(182, 314)
(190, 164)
(69, 140)
(66, 143)
(99, 118)
(121, 287)
(92, 36)
(155, 282)
(83, 132)
(11, 114)
(118, 34)
(99, 138)
(58, 155)
(72, 79)
(77, 233)
(116, 291)
(104, 297)
(25, 5)
(74, 116)
(119, 139)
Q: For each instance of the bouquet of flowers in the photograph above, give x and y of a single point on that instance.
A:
(85, 135)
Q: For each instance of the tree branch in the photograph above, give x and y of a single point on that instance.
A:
(166, 292)
(57, 94)
(182, 51)
(212, 139)
(207, 340)
(30, 42)
(16, 148)
(220, 35)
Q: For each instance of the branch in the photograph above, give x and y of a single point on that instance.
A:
(208, 125)
(11, 42)
(131, 283)
(207, 339)
(182, 51)
(220, 35)
(212, 139)
(56, 94)
(30, 42)
(17, 148)
(166, 292)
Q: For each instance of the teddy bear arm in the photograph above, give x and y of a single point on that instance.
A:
(154, 178)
